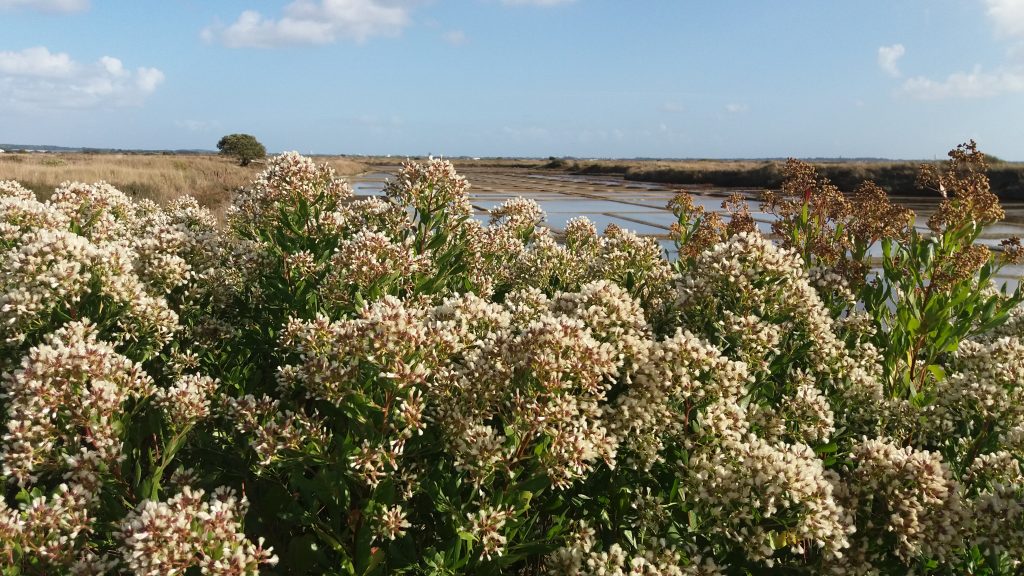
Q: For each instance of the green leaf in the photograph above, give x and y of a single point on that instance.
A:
(376, 559)
(938, 371)
(829, 448)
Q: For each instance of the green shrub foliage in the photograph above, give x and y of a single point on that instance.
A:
(332, 385)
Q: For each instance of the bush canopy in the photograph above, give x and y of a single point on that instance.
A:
(243, 147)
(342, 386)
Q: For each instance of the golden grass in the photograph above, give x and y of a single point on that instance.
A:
(211, 179)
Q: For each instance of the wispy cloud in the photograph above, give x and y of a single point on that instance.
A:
(536, 2)
(889, 57)
(313, 22)
(673, 107)
(1007, 16)
(56, 6)
(974, 84)
(455, 37)
(36, 78)
(735, 108)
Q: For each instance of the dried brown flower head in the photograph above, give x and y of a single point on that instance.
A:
(709, 229)
(1013, 252)
(964, 188)
(961, 266)
(824, 239)
(740, 219)
(877, 217)
(681, 205)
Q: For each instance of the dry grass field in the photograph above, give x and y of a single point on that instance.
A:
(210, 178)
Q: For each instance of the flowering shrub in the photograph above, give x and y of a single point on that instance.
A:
(332, 385)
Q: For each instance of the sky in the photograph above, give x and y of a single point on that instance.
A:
(586, 78)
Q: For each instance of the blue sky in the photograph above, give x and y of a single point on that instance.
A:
(587, 78)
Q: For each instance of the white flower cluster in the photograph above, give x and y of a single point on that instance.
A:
(486, 526)
(517, 214)
(187, 400)
(175, 246)
(431, 188)
(54, 529)
(680, 375)
(387, 334)
(766, 496)
(370, 259)
(273, 433)
(48, 269)
(997, 506)
(393, 523)
(21, 213)
(88, 248)
(188, 530)
(581, 557)
(98, 211)
(987, 389)
(541, 370)
(65, 400)
(908, 500)
(515, 252)
(289, 179)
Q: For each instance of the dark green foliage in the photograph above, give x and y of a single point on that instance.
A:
(244, 147)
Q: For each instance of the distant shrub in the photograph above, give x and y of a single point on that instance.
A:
(243, 147)
(554, 164)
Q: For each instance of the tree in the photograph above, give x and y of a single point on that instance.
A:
(244, 147)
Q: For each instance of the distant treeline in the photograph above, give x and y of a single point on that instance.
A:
(28, 148)
(898, 178)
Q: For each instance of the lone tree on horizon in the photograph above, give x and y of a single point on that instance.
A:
(244, 147)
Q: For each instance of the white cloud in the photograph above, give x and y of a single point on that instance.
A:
(113, 66)
(36, 61)
(1007, 16)
(455, 37)
(974, 84)
(736, 108)
(147, 79)
(536, 2)
(314, 22)
(673, 107)
(888, 59)
(36, 78)
(46, 5)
